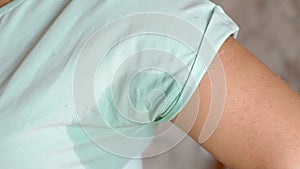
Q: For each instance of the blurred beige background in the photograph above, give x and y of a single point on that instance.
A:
(271, 30)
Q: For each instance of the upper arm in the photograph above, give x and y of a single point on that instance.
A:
(261, 119)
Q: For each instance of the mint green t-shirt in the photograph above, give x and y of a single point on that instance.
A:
(84, 83)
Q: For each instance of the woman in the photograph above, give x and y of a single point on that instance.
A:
(146, 59)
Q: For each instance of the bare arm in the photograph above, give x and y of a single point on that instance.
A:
(260, 127)
(4, 2)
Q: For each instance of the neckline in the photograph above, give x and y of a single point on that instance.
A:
(9, 6)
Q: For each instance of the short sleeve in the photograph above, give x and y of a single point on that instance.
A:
(156, 68)
(219, 27)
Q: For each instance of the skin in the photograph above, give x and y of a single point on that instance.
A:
(260, 127)
(4, 2)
